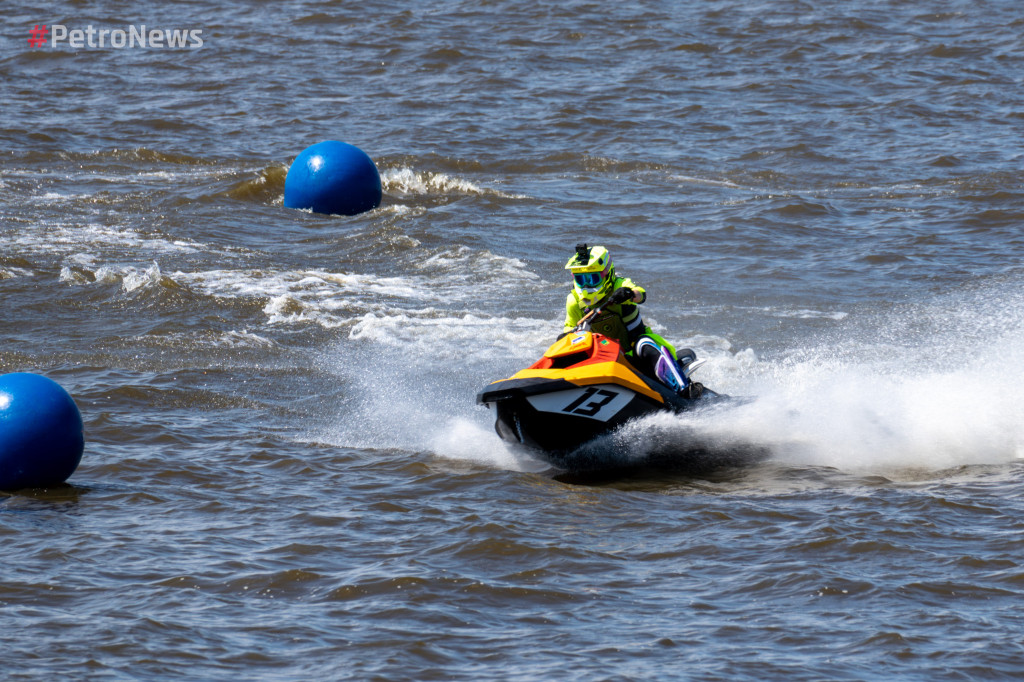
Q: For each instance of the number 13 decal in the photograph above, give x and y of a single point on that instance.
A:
(594, 406)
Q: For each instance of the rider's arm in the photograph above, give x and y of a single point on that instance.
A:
(573, 314)
(639, 294)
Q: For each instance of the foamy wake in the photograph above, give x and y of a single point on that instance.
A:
(926, 387)
(854, 418)
(408, 181)
(469, 441)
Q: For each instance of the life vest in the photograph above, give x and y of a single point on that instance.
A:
(610, 324)
(621, 321)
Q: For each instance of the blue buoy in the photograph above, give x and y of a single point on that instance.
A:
(41, 438)
(333, 177)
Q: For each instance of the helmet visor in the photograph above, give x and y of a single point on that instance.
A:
(588, 280)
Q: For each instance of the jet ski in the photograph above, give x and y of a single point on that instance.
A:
(582, 388)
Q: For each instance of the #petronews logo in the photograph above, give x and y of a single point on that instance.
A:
(117, 38)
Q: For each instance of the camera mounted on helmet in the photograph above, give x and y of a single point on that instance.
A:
(582, 253)
(592, 271)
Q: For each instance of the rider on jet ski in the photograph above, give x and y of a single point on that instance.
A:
(595, 284)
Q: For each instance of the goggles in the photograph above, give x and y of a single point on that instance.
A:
(587, 280)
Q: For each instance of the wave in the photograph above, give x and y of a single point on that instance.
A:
(73, 240)
(103, 157)
(363, 301)
(406, 181)
(129, 277)
(13, 272)
(267, 187)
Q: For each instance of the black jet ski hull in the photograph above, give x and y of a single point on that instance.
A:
(554, 417)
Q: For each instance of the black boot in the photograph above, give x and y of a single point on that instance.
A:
(684, 357)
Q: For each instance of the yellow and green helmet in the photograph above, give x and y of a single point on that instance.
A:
(593, 274)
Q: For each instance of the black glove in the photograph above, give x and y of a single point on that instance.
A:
(621, 296)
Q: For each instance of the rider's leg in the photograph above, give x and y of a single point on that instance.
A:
(658, 340)
(659, 363)
(683, 356)
(647, 354)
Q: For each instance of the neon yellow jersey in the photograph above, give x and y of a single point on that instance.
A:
(628, 312)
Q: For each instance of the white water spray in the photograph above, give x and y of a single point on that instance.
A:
(929, 387)
(918, 387)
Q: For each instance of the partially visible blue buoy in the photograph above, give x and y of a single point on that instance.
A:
(41, 437)
(333, 177)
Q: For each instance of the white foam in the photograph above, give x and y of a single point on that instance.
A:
(107, 274)
(67, 239)
(69, 276)
(50, 198)
(329, 299)
(287, 309)
(133, 278)
(461, 264)
(691, 180)
(806, 314)
(85, 259)
(454, 336)
(408, 181)
(469, 441)
(311, 283)
(332, 299)
(243, 339)
(923, 388)
(396, 209)
(853, 420)
(414, 374)
(230, 339)
(11, 273)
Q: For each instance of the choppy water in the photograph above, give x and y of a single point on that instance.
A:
(286, 476)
